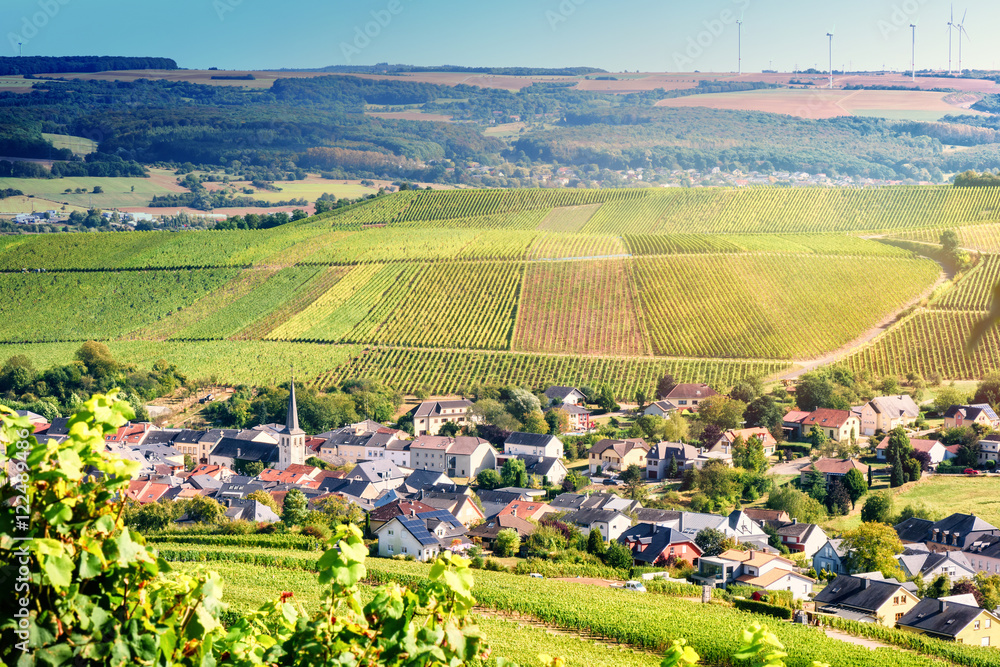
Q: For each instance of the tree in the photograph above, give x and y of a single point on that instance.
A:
(665, 386)
(798, 504)
(506, 543)
(815, 485)
(913, 470)
(491, 411)
(618, 556)
(514, 473)
(595, 543)
(722, 411)
(838, 500)
(712, 542)
(522, 403)
(855, 485)
(710, 435)
(264, 498)
(449, 429)
(534, 422)
(675, 428)
(750, 455)
(640, 399)
(189, 463)
(489, 479)
(939, 588)
(718, 481)
(204, 510)
(97, 358)
(672, 468)
(150, 517)
(557, 420)
(897, 477)
(872, 547)
(947, 397)
(877, 508)
(988, 391)
(295, 510)
(634, 477)
(765, 412)
(813, 390)
(248, 468)
(606, 399)
(898, 448)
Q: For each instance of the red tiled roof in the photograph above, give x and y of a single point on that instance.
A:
(839, 466)
(825, 417)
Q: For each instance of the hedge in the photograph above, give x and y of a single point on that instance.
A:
(273, 541)
(752, 606)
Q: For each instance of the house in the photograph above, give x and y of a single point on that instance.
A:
(831, 557)
(884, 413)
(398, 451)
(457, 457)
(951, 620)
(762, 516)
(867, 599)
(533, 444)
(551, 471)
(422, 535)
(297, 474)
(753, 568)
(559, 396)
(230, 450)
(955, 532)
(430, 416)
(251, 510)
(421, 480)
(487, 531)
(609, 523)
(146, 491)
(579, 416)
(617, 454)
(968, 415)
(130, 434)
(725, 443)
(804, 538)
(792, 423)
(833, 469)
(380, 516)
(461, 506)
(527, 509)
(384, 474)
(660, 409)
(736, 525)
(838, 425)
(689, 395)
(597, 501)
(659, 456)
(933, 448)
(495, 502)
(930, 565)
(654, 545)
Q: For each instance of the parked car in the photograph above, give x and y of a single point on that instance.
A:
(634, 586)
(535, 575)
(611, 481)
(972, 472)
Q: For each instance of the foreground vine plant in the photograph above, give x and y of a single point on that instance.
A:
(90, 592)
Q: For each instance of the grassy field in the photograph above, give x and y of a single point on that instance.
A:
(79, 145)
(15, 205)
(117, 192)
(310, 189)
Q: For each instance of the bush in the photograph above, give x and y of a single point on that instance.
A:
(495, 566)
(319, 532)
(776, 611)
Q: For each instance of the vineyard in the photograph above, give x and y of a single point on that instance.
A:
(982, 238)
(973, 292)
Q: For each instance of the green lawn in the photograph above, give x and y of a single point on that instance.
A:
(79, 145)
(310, 190)
(117, 192)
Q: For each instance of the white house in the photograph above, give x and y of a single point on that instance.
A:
(935, 449)
(929, 565)
(660, 409)
(609, 523)
(421, 535)
(533, 444)
(565, 395)
(831, 557)
(884, 413)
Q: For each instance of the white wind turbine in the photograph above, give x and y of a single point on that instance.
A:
(961, 31)
(830, 35)
(739, 42)
(951, 26)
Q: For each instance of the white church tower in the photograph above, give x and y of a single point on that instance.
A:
(291, 439)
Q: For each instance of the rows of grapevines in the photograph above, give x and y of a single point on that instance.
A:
(821, 244)
(568, 218)
(499, 244)
(240, 313)
(770, 306)
(243, 284)
(770, 210)
(984, 238)
(670, 244)
(448, 204)
(931, 343)
(384, 209)
(526, 219)
(325, 310)
(302, 251)
(96, 305)
(295, 301)
(579, 308)
(551, 245)
(448, 371)
(974, 291)
(78, 251)
(446, 305)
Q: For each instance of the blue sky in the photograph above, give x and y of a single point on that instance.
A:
(648, 35)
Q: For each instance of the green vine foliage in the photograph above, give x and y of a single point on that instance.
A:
(90, 592)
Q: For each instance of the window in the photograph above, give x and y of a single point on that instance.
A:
(895, 600)
(985, 641)
(390, 548)
(899, 616)
(404, 550)
(975, 626)
(987, 623)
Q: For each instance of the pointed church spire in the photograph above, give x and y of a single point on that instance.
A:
(292, 420)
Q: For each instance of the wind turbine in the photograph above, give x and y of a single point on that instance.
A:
(830, 35)
(961, 30)
(739, 50)
(913, 53)
(951, 25)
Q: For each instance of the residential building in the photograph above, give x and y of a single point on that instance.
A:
(831, 557)
(655, 545)
(528, 509)
(559, 396)
(425, 480)
(421, 535)
(533, 444)
(380, 516)
(989, 449)
(833, 469)
(884, 413)
(548, 470)
(762, 516)
(609, 523)
(384, 474)
(251, 510)
(229, 451)
(838, 425)
(488, 530)
(617, 454)
(689, 396)
(495, 502)
(660, 409)
(459, 505)
(725, 443)
(953, 621)
(597, 501)
(930, 565)
(430, 416)
(867, 598)
(457, 457)
(969, 415)
(579, 417)
(753, 568)
(933, 448)
(660, 455)
(956, 532)
(803, 538)
(398, 452)
(791, 423)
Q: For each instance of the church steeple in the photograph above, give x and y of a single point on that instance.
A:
(291, 439)
(292, 420)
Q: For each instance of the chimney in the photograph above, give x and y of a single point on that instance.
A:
(794, 521)
(413, 512)
(868, 582)
(942, 606)
(237, 452)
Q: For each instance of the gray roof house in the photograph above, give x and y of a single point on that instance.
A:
(957, 531)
